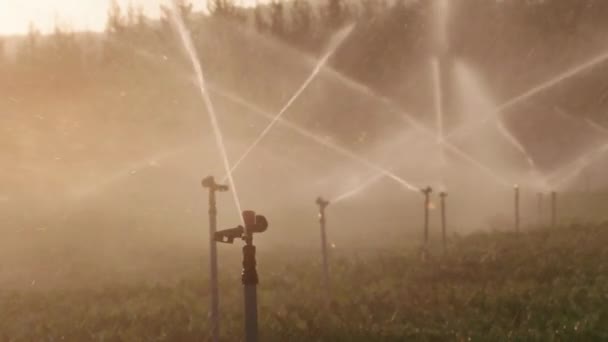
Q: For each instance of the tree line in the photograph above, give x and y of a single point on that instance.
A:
(390, 34)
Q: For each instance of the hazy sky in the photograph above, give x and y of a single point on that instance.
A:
(15, 15)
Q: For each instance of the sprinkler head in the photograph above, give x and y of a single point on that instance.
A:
(322, 202)
(443, 194)
(254, 223)
(228, 235)
(427, 191)
(209, 182)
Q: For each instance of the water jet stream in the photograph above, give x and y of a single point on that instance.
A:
(410, 119)
(362, 186)
(582, 164)
(597, 126)
(80, 193)
(568, 74)
(319, 140)
(438, 98)
(198, 70)
(515, 142)
(337, 41)
(395, 109)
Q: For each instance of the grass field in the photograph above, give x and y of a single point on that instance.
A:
(543, 285)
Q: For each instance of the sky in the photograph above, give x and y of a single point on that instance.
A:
(16, 15)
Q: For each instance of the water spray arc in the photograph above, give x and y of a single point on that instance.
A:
(324, 252)
(568, 74)
(252, 224)
(321, 141)
(438, 99)
(579, 167)
(186, 40)
(339, 38)
(356, 190)
(210, 184)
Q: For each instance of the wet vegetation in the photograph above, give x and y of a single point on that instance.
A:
(104, 140)
(546, 284)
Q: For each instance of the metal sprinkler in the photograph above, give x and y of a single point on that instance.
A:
(443, 195)
(322, 203)
(210, 184)
(427, 203)
(553, 209)
(516, 203)
(540, 208)
(253, 224)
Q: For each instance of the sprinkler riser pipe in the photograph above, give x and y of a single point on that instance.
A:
(444, 223)
(210, 184)
(554, 209)
(250, 281)
(251, 312)
(517, 217)
(540, 208)
(213, 269)
(324, 252)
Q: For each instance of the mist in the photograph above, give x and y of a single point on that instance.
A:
(105, 137)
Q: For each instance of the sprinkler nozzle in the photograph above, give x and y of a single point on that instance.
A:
(443, 194)
(322, 202)
(427, 191)
(209, 182)
(254, 223)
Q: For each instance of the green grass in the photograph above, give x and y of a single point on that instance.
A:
(546, 285)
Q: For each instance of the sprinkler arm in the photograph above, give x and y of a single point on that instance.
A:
(427, 191)
(257, 225)
(209, 183)
(322, 203)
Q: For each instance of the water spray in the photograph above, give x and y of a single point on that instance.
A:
(188, 44)
(438, 99)
(516, 211)
(427, 206)
(210, 184)
(252, 224)
(319, 140)
(443, 195)
(322, 205)
(568, 74)
(339, 38)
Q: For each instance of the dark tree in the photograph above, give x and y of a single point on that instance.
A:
(260, 22)
(116, 23)
(222, 8)
(278, 18)
(336, 14)
(302, 23)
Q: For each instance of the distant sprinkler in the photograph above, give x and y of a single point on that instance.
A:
(553, 209)
(516, 211)
(540, 208)
(210, 184)
(324, 253)
(427, 203)
(253, 224)
(443, 195)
